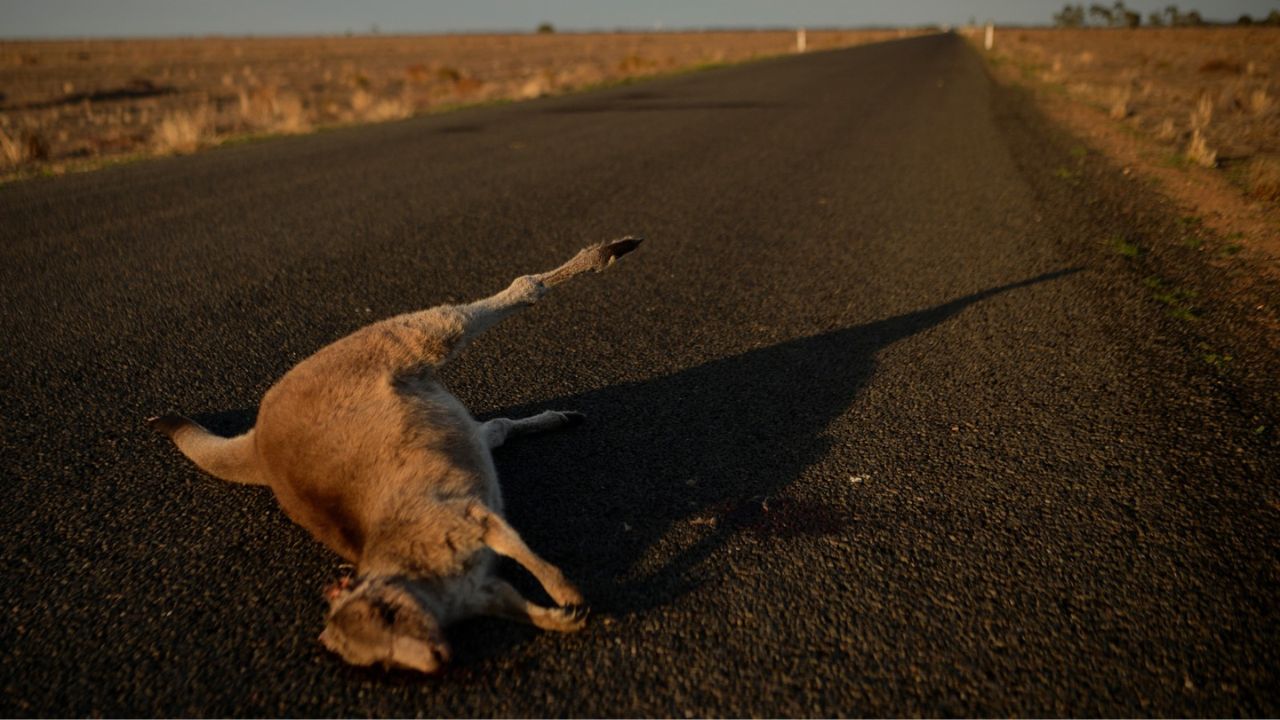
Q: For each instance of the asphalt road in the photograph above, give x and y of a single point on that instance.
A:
(876, 425)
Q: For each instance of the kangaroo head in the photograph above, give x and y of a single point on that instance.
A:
(380, 620)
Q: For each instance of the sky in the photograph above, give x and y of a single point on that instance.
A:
(132, 18)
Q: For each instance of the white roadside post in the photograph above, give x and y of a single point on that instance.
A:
(991, 36)
(801, 41)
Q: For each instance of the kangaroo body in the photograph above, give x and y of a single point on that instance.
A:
(367, 450)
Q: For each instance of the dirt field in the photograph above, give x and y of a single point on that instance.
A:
(72, 104)
(1196, 110)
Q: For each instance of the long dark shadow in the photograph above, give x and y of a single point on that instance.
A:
(716, 443)
(713, 444)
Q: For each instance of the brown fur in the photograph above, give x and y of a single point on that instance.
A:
(366, 449)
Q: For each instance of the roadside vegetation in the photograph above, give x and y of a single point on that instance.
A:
(74, 104)
(1171, 99)
(1117, 15)
(1172, 140)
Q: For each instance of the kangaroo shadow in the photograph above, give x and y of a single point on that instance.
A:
(703, 454)
(700, 455)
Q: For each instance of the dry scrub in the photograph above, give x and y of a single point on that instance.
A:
(1263, 178)
(1206, 93)
(73, 103)
(1167, 102)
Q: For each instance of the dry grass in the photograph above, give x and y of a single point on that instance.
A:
(266, 108)
(9, 149)
(1134, 95)
(1202, 115)
(26, 147)
(86, 100)
(181, 132)
(1260, 102)
(1263, 178)
(1209, 91)
(1199, 152)
(1120, 102)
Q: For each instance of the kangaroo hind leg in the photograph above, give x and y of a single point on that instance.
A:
(504, 540)
(502, 600)
(528, 289)
(441, 332)
(498, 430)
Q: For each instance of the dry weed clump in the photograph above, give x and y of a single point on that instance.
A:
(181, 132)
(1260, 101)
(266, 108)
(21, 148)
(388, 109)
(369, 108)
(1203, 114)
(361, 101)
(536, 86)
(1199, 152)
(1120, 102)
(290, 114)
(1262, 178)
(10, 149)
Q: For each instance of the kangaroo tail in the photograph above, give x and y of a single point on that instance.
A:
(232, 459)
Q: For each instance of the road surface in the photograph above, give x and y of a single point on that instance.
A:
(876, 424)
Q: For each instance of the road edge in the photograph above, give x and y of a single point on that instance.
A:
(1217, 306)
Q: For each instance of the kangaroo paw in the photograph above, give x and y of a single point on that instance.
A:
(610, 251)
(570, 618)
(591, 259)
(572, 418)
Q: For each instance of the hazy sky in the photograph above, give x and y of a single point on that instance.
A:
(76, 18)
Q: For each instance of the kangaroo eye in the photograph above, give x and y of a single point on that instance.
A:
(386, 611)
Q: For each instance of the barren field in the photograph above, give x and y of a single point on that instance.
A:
(1208, 96)
(70, 104)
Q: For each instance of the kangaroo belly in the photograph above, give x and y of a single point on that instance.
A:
(343, 452)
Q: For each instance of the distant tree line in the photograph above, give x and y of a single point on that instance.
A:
(1117, 15)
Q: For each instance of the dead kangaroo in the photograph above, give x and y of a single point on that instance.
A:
(366, 449)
